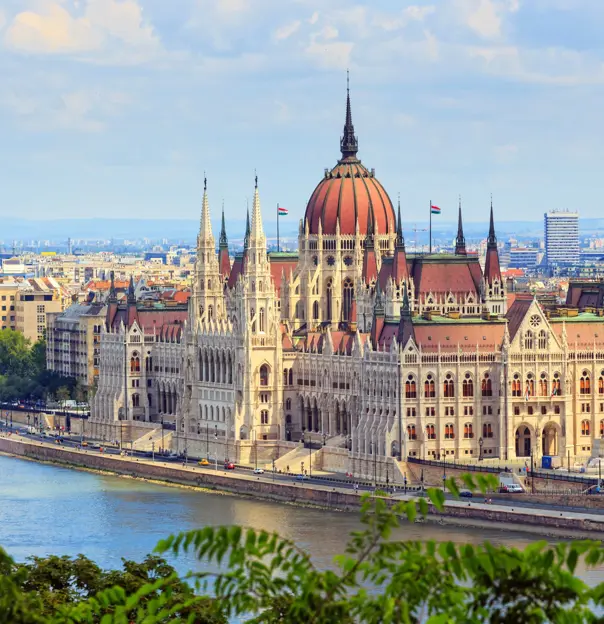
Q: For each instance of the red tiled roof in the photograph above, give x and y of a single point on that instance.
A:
(451, 337)
(516, 314)
(236, 271)
(281, 266)
(444, 277)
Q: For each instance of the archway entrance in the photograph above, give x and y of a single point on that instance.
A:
(550, 440)
(523, 441)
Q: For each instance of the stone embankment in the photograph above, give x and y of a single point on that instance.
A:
(554, 521)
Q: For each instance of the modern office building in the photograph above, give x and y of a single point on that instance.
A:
(561, 232)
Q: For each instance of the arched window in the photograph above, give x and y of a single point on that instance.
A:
(487, 430)
(315, 311)
(585, 428)
(601, 383)
(429, 388)
(449, 431)
(253, 320)
(136, 399)
(516, 386)
(135, 363)
(449, 387)
(328, 301)
(261, 321)
(430, 432)
(291, 376)
(264, 375)
(348, 296)
(528, 340)
(530, 385)
(467, 431)
(410, 388)
(602, 428)
(288, 404)
(468, 386)
(543, 390)
(486, 386)
(150, 399)
(542, 340)
(264, 417)
(411, 433)
(285, 377)
(585, 383)
(210, 312)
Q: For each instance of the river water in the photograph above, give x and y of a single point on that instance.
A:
(46, 509)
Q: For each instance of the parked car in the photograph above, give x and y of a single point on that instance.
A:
(302, 477)
(229, 466)
(204, 462)
(465, 494)
(258, 471)
(511, 488)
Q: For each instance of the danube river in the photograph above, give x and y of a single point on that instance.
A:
(47, 509)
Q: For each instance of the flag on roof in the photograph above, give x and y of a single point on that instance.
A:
(282, 211)
(435, 209)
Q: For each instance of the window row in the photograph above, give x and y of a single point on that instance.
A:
(448, 386)
(468, 433)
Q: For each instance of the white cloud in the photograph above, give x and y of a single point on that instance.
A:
(328, 53)
(314, 18)
(391, 22)
(110, 26)
(286, 31)
(484, 19)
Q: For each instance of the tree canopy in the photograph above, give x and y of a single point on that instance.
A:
(261, 578)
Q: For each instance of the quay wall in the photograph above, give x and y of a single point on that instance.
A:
(302, 493)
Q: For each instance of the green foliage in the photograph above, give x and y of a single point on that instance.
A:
(260, 578)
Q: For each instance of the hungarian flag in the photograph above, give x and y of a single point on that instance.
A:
(434, 209)
(282, 211)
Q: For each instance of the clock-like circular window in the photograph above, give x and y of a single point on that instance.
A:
(331, 260)
(535, 320)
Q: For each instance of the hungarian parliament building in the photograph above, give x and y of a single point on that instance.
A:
(353, 343)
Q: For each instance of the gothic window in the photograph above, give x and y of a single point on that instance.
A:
(530, 385)
(585, 383)
(135, 363)
(449, 387)
(264, 417)
(329, 301)
(136, 400)
(261, 321)
(411, 432)
(347, 300)
(449, 431)
(331, 260)
(209, 284)
(348, 260)
(467, 431)
(468, 386)
(543, 391)
(542, 340)
(516, 386)
(602, 428)
(410, 388)
(288, 404)
(556, 388)
(210, 312)
(556, 409)
(291, 376)
(487, 430)
(264, 375)
(429, 388)
(585, 427)
(528, 340)
(285, 377)
(601, 383)
(486, 386)
(150, 399)
(315, 311)
(430, 432)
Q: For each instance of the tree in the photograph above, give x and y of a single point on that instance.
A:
(261, 578)
(63, 395)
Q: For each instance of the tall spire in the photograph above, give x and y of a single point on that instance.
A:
(349, 144)
(205, 226)
(257, 232)
(246, 240)
(460, 241)
(131, 295)
(223, 235)
(400, 240)
(492, 240)
(112, 293)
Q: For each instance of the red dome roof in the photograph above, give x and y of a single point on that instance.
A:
(349, 191)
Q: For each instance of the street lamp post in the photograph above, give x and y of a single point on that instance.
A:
(216, 447)
(480, 443)
(309, 454)
(162, 435)
(153, 451)
(444, 469)
(255, 449)
(207, 441)
(532, 474)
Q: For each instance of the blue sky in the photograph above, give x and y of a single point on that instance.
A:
(116, 107)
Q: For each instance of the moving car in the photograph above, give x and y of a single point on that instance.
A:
(302, 477)
(229, 466)
(511, 488)
(465, 494)
(204, 462)
(258, 471)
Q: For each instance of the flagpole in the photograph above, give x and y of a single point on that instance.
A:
(277, 227)
(430, 226)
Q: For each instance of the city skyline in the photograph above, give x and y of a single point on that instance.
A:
(117, 108)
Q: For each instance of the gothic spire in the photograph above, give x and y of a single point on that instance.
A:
(400, 240)
(112, 293)
(492, 240)
(460, 241)
(223, 235)
(205, 226)
(369, 239)
(246, 240)
(349, 143)
(131, 295)
(257, 231)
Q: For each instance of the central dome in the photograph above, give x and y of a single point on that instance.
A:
(351, 193)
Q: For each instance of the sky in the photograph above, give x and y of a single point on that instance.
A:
(116, 108)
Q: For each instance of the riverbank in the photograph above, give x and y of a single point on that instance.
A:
(460, 513)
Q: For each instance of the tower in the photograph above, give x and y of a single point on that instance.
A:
(493, 286)
(460, 241)
(224, 262)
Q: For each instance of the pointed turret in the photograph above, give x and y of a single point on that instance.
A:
(400, 270)
(132, 313)
(378, 318)
(460, 241)
(205, 226)
(405, 327)
(111, 303)
(492, 270)
(246, 240)
(257, 231)
(370, 271)
(112, 292)
(131, 294)
(349, 144)
(224, 262)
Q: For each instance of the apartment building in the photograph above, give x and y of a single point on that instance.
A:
(35, 298)
(8, 293)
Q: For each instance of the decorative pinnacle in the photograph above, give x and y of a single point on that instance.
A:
(223, 236)
(400, 241)
(460, 241)
(492, 240)
(349, 144)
